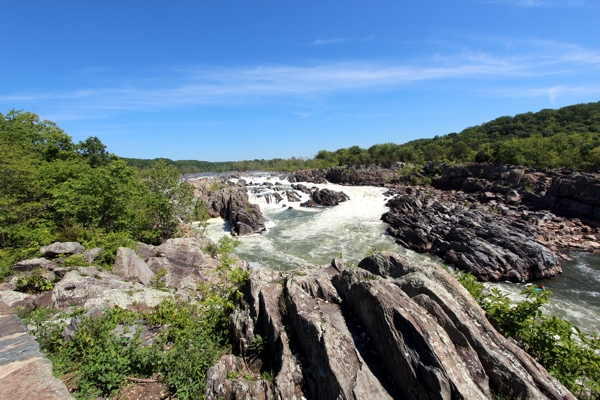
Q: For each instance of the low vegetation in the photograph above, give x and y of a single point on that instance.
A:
(570, 355)
(107, 351)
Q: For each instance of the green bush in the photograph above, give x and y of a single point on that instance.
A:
(33, 283)
(97, 362)
(570, 355)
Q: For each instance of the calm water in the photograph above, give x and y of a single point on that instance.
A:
(314, 236)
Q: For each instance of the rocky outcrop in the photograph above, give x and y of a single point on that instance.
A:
(230, 201)
(405, 331)
(565, 193)
(87, 287)
(493, 248)
(24, 372)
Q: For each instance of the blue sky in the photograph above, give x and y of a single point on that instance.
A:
(234, 80)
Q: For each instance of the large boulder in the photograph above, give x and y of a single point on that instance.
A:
(130, 266)
(328, 197)
(34, 263)
(61, 248)
(183, 263)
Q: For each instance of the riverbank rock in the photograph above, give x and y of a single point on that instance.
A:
(230, 201)
(491, 247)
(406, 331)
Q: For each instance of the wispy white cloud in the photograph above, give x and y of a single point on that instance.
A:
(551, 92)
(205, 85)
(537, 3)
(320, 42)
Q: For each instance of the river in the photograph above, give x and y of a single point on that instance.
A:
(314, 236)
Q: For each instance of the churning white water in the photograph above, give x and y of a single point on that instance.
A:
(314, 236)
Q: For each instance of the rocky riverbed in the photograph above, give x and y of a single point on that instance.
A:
(498, 222)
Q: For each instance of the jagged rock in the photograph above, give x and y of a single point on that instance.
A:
(410, 332)
(70, 330)
(262, 313)
(130, 266)
(492, 249)
(34, 263)
(58, 248)
(301, 188)
(292, 196)
(327, 197)
(219, 387)
(309, 204)
(469, 351)
(231, 203)
(88, 286)
(24, 372)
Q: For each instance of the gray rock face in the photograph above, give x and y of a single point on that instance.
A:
(130, 266)
(34, 263)
(327, 197)
(407, 331)
(88, 287)
(492, 249)
(24, 372)
(92, 254)
(569, 194)
(58, 248)
(184, 261)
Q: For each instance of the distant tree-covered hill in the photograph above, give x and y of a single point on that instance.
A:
(565, 138)
(184, 166)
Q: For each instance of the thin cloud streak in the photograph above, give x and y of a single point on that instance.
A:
(213, 85)
(537, 3)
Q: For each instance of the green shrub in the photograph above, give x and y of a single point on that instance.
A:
(570, 355)
(33, 283)
(97, 362)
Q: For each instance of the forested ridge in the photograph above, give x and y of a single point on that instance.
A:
(565, 138)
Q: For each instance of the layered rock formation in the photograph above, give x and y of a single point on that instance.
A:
(565, 193)
(388, 329)
(492, 247)
(24, 371)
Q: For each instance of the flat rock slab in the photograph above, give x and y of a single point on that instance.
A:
(24, 372)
